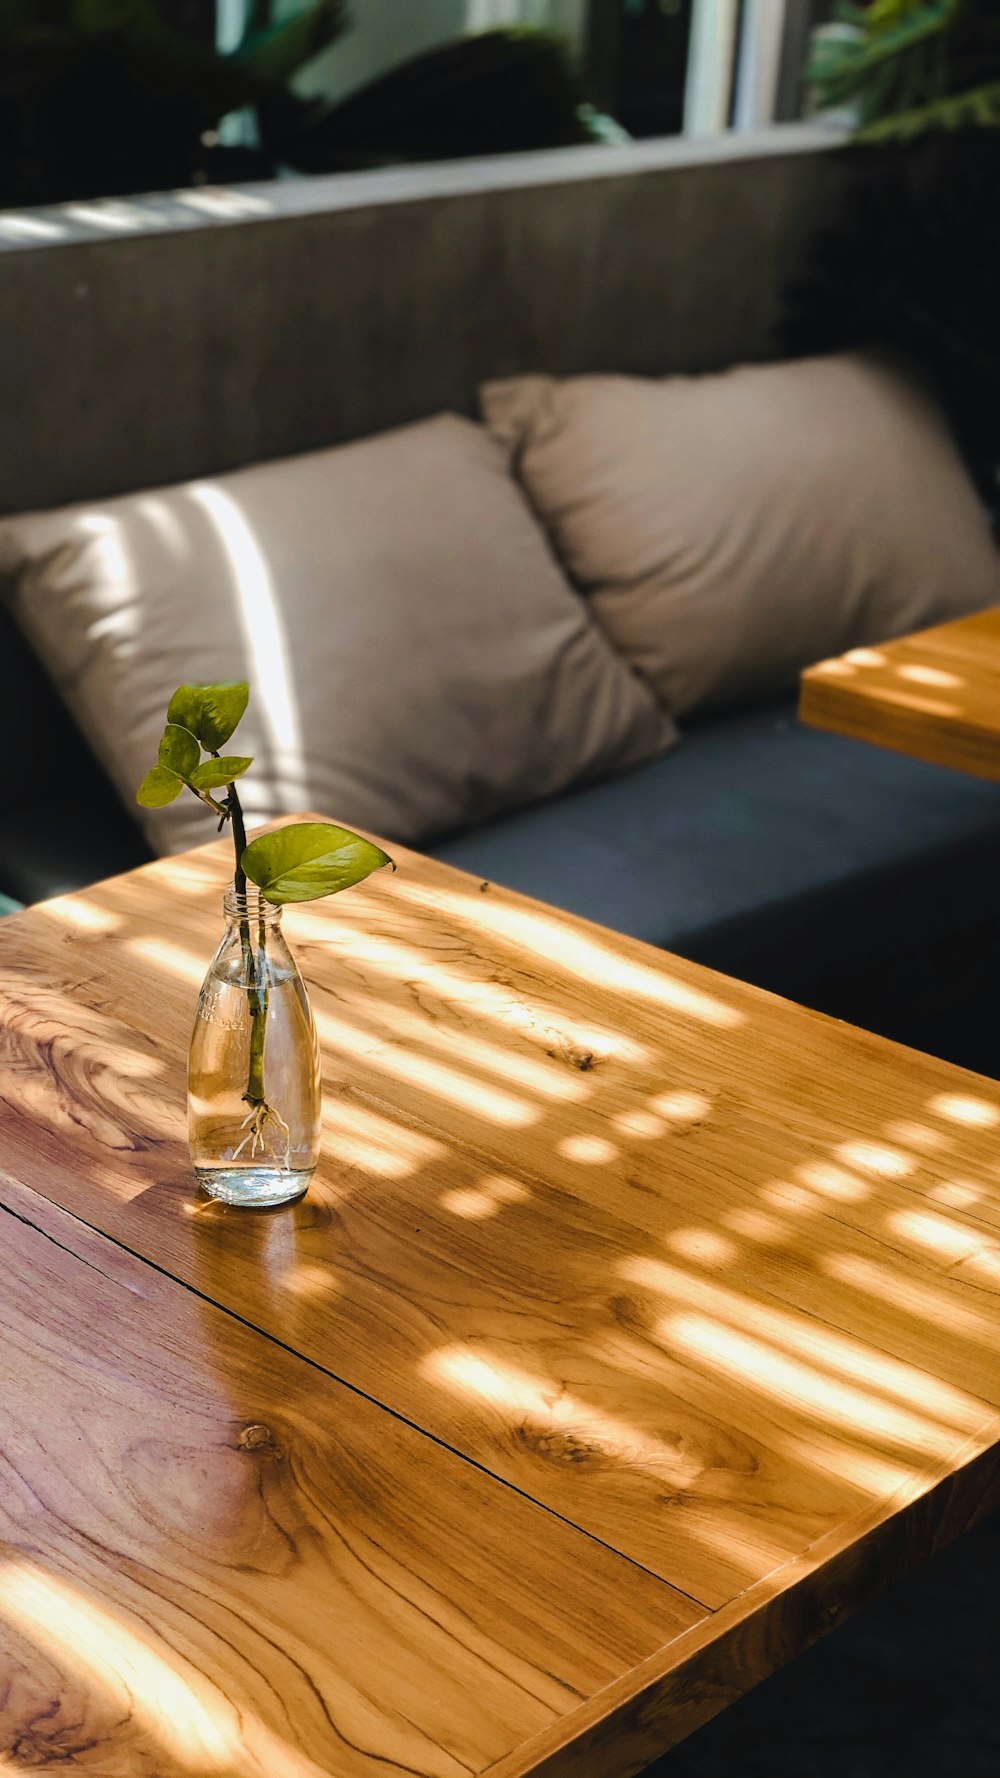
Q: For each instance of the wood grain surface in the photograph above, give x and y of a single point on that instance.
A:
(710, 1277)
(216, 1560)
(934, 695)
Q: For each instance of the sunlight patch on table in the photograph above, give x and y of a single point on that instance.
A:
(928, 1302)
(682, 1107)
(587, 1151)
(147, 1681)
(551, 1408)
(955, 1194)
(875, 1157)
(79, 913)
(860, 1469)
(585, 956)
(832, 1182)
(758, 1226)
(475, 994)
(758, 1366)
(380, 1144)
(918, 674)
(169, 1698)
(952, 1242)
(310, 1278)
(965, 1108)
(162, 953)
(538, 1076)
(641, 1124)
(807, 1336)
(430, 1076)
(706, 1247)
(490, 1195)
(919, 1136)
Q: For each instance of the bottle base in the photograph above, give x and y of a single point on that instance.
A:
(254, 1188)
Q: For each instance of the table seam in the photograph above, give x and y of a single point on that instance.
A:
(343, 1382)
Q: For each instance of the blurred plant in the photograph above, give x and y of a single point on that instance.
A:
(104, 96)
(911, 66)
(490, 93)
(912, 263)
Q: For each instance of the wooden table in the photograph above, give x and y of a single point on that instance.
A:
(935, 695)
(638, 1325)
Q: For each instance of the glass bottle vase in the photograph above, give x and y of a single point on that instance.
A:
(253, 1071)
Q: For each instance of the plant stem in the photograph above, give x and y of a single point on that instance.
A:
(254, 1094)
(256, 968)
(239, 837)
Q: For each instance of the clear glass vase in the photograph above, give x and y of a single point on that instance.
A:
(253, 1073)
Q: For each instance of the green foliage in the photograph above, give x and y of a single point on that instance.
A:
(212, 774)
(493, 92)
(199, 718)
(106, 96)
(211, 712)
(310, 859)
(978, 109)
(103, 97)
(302, 862)
(179, 756)
(158, 788)
(913, 65)
(179, 751)
(278, 51)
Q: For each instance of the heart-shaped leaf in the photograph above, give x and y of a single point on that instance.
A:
(213, 773)
(159, 787)
(179, 751)
(211, 712)
(310, 860)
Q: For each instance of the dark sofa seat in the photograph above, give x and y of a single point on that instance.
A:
(53, 847)
(61, 824)
(850, 878)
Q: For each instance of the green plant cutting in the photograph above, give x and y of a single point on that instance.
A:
(302, 862)
(907, 66)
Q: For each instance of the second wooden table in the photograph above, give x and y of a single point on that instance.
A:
(934, 695)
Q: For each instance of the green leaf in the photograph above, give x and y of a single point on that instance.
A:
(211, 712)
(309, 860)
(213, 773)
(278, 51)
(159, 787)
(981, 108)
(179, 751)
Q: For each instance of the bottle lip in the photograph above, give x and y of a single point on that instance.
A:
(250, 906)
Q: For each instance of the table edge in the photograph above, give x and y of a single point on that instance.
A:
(685, 1683)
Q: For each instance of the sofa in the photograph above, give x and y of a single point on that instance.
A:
(857, 881)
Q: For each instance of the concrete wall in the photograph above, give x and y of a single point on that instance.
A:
(147, 342)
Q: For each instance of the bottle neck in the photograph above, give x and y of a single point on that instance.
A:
(251, 908)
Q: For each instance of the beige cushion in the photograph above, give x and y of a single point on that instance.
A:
(732, 529)
(416, 659)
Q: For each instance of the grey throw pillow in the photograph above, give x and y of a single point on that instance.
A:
(730, 530)
(416, 658)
